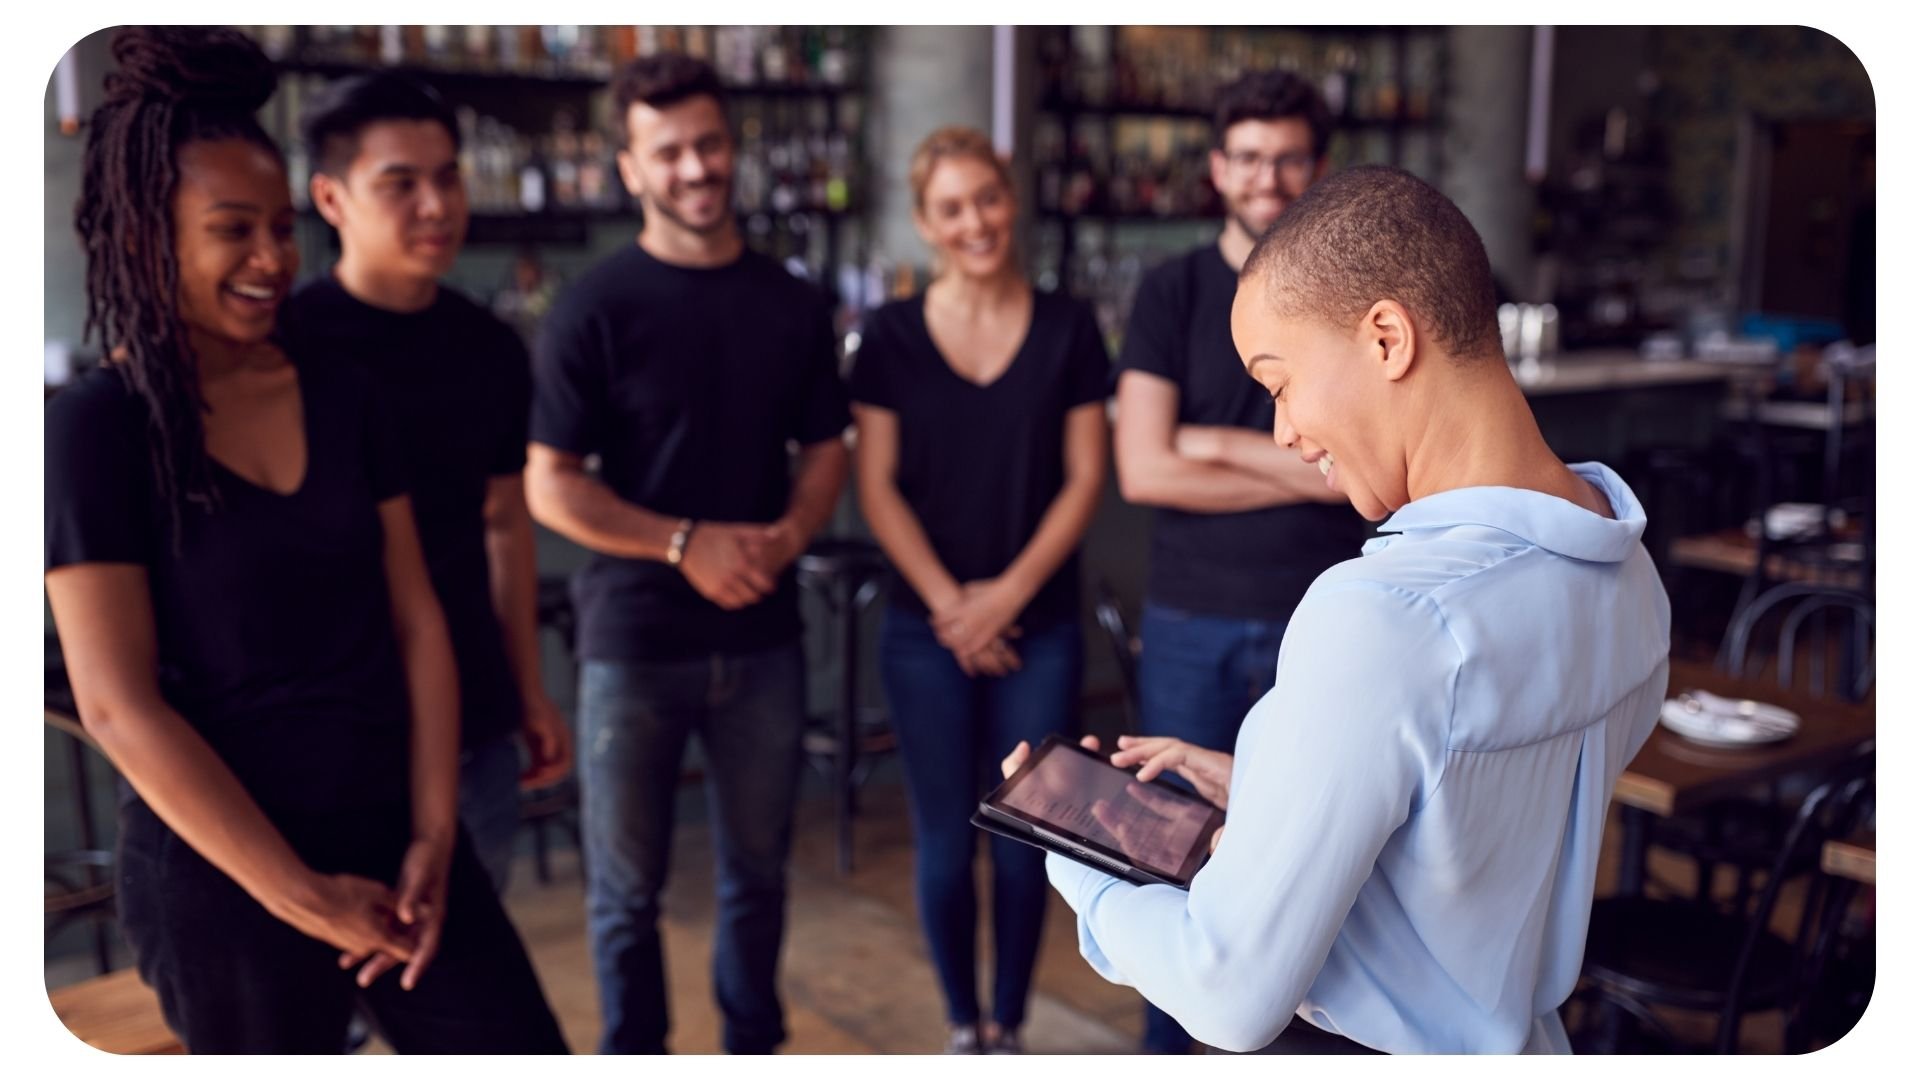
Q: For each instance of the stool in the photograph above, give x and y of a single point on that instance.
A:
(116, 1013)
(79, 882)
(558, 805)
(845, 573)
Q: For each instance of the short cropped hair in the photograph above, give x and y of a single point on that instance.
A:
(1271, 95)
(951, 142)
(333, 121)
(1373, 233)
(659, 81)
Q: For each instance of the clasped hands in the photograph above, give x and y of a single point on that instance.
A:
(377, 927)
(975, 623)
(738, 564)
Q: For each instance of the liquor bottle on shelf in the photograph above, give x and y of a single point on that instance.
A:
(839, 172)
(477, 46)
(836, 58)
(774, 67)
(533, 177)
(1423, 73)
(563, 157)
(1336, 86)
(698, 42)
(439, 42)
(599, 180)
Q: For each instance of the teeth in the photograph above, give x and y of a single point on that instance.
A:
(253, 292)
(1326, 464)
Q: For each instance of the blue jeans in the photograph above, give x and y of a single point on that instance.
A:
(1199, 675)
(635, 718)
(490, 804)
(953, 730)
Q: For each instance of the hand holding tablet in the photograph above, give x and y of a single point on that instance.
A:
(1071, 800)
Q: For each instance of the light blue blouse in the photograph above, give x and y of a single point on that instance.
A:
(1416, 808)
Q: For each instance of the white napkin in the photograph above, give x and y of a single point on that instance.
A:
(1727, 721)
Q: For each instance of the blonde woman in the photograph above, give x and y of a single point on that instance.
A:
(981, 455)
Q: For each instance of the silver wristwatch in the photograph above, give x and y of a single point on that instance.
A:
(677, 546)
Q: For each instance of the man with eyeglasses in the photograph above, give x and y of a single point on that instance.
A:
(1242, 526)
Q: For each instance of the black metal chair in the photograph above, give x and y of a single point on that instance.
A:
(1744, 831)
(1817, 556)
(845, 574)
(79, 880)
(1126, 648)
(1726, 961)
(1801, 603)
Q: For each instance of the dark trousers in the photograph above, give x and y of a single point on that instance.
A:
(490, 804)
(232, 979)
(953, 730)
(635, 719)
(1199, 675)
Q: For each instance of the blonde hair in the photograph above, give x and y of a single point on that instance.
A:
(952, 142)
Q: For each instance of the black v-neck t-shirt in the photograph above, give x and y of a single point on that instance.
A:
(457, 383)
(980, 465)
(1254, 564)
(688, 384)
(274, 633)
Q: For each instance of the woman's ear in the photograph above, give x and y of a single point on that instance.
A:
(1392, 340)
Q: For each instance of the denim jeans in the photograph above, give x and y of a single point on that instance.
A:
(490, 804)
(635, 719)
(1199, 675)
(953, 730)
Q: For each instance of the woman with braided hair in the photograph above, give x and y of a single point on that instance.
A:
(234, 572)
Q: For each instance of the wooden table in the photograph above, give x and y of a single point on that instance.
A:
(1671, 776)
(1851, 858)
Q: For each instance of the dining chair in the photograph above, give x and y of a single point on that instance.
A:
(1725, 960)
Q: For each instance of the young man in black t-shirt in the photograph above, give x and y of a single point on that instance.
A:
(1242, 527)
(385, 153)
(686, 365)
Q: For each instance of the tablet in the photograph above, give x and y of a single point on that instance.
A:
(1073, 801)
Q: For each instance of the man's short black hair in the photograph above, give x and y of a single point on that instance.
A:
(334, 121)
(1373, 233)
(659, 81)
(1271, 95)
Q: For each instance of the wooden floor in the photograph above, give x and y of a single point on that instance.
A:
(856, 976)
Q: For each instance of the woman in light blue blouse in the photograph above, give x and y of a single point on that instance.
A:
(1417, 806)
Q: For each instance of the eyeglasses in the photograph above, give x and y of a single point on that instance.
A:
(1248, 163)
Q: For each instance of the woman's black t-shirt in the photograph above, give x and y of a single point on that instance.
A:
(274, 635)
(979, 465)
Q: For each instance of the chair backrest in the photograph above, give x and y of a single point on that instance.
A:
(1126, 647)
(1824, 604)
(1833, 810)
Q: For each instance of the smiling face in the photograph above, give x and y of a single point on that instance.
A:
(233, 238)
(679, 162)
(1334, 395)
(1261, 167)
(401, 204)
(966, 214)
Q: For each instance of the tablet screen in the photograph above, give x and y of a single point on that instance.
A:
(1082, 796)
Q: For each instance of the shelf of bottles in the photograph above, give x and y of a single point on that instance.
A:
(536, 117)
(1120, 143)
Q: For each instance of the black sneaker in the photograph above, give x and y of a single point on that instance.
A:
(1004, 1041)
(963, 1039)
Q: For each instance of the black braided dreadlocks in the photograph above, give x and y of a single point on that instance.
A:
(173, 86)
